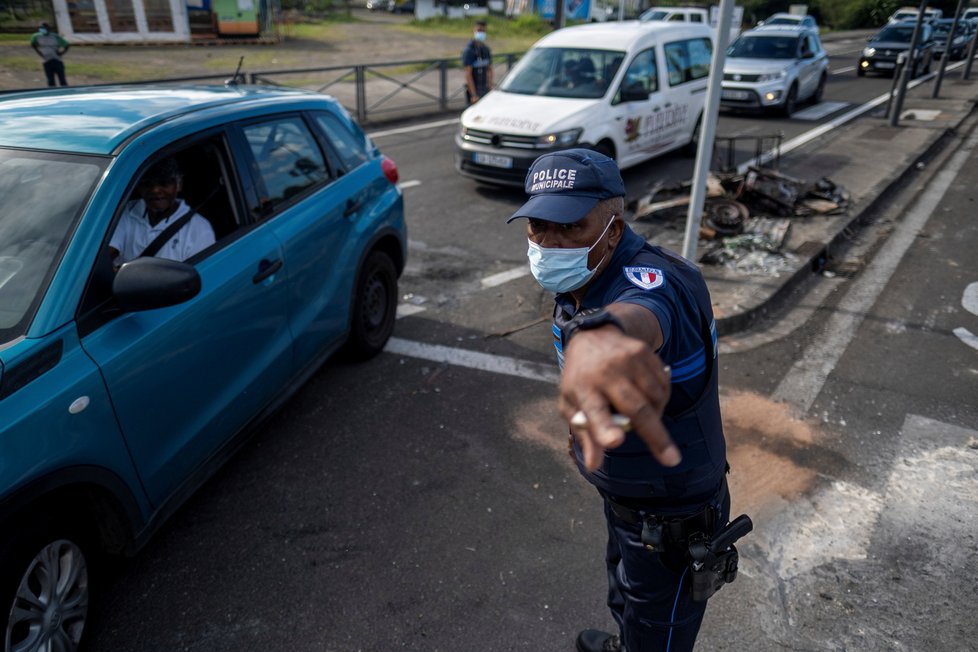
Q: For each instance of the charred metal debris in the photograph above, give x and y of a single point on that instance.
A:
(746, 216)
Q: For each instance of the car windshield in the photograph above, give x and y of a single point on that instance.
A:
(764, 47)
(41, 196)
(895, 34)
(654, 14)
(564, 72)
(942, 30)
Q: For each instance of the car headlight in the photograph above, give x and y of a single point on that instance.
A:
(772, 76)
(560, 138)
(868, 52)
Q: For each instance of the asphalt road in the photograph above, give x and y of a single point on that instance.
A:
(424, 500)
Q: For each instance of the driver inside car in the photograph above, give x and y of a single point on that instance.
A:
(159, 223)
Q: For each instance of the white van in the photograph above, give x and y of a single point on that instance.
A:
(631, 90)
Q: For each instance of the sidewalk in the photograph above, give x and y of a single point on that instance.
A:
(869, 158)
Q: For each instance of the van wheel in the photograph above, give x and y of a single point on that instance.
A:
(790, 102)
(374, 307)
(694, 138)
(605, 147)
(44, 588)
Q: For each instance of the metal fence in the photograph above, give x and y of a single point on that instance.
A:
(372, 92)
(392, 90)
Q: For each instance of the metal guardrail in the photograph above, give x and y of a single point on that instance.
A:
(395, 89)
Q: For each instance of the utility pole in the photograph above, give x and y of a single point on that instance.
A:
(708, 128)
(947, 49)
(908, 67)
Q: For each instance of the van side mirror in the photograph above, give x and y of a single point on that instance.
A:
(634, 93)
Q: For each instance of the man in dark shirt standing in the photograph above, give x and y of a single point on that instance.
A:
(477, 63)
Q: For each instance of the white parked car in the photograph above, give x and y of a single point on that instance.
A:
(774, 67)
(791, 20)
(910, 13)
(631, 90)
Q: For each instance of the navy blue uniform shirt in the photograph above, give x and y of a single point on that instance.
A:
(674, 291)
(478, 55)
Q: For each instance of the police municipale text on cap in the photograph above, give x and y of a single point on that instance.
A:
(565, 186)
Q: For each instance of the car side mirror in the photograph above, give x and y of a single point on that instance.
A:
(150, 283)
(634, 93)
(807, 54)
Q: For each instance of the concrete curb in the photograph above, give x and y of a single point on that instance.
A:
(813, 260)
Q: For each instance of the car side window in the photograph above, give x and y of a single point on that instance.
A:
(287, 160)
(641, 74)
(695, 18)
(677, 18)
(350, 147)
(182, 204)
(688, 60)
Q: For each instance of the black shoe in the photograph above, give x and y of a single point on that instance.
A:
(593, 640)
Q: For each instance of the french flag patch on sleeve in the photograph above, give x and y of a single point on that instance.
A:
(647, 278)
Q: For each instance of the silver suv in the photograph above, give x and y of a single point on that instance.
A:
(774, 67)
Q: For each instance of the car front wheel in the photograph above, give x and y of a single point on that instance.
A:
(44, 587)
(374, 308)
(820, 90)
(790, 101)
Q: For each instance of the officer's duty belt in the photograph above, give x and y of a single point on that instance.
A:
(675, 528)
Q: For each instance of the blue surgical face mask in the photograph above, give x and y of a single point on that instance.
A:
(43, 30)
(480, 36)
(563, 270)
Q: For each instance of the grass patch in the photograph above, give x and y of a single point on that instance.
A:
(505, 34)
(23, 63)
(14, 39)
(105, 71)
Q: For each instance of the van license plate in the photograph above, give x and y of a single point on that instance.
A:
(493, 160)
(729, 94)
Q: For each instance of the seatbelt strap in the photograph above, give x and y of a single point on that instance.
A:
(153, 247)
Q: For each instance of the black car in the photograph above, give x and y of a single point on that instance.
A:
(958, 47)
(881, 52)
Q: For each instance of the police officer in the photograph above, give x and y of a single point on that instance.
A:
(477, 65)
(635, 336)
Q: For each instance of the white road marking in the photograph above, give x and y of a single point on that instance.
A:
(409, 184)
(967, 337)
(804, 381)
(842, 71)
(505, 277)
(819, 111)
(497, 364)
(933, 480)
(412, 129)
(408, 309)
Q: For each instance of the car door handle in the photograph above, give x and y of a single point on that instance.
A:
(352, 206)
(265, 269)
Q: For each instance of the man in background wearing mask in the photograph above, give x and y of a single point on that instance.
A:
(50, 47)
(477, 63)
(635, 336)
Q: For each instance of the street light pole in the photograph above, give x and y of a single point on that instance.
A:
(908, 66)
(947, 49)
(708, 126)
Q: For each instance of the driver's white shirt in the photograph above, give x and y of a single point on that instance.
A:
(135, 233)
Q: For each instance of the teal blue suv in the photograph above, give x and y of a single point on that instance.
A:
(174, 261)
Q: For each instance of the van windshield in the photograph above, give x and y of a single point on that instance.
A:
(564, 72)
